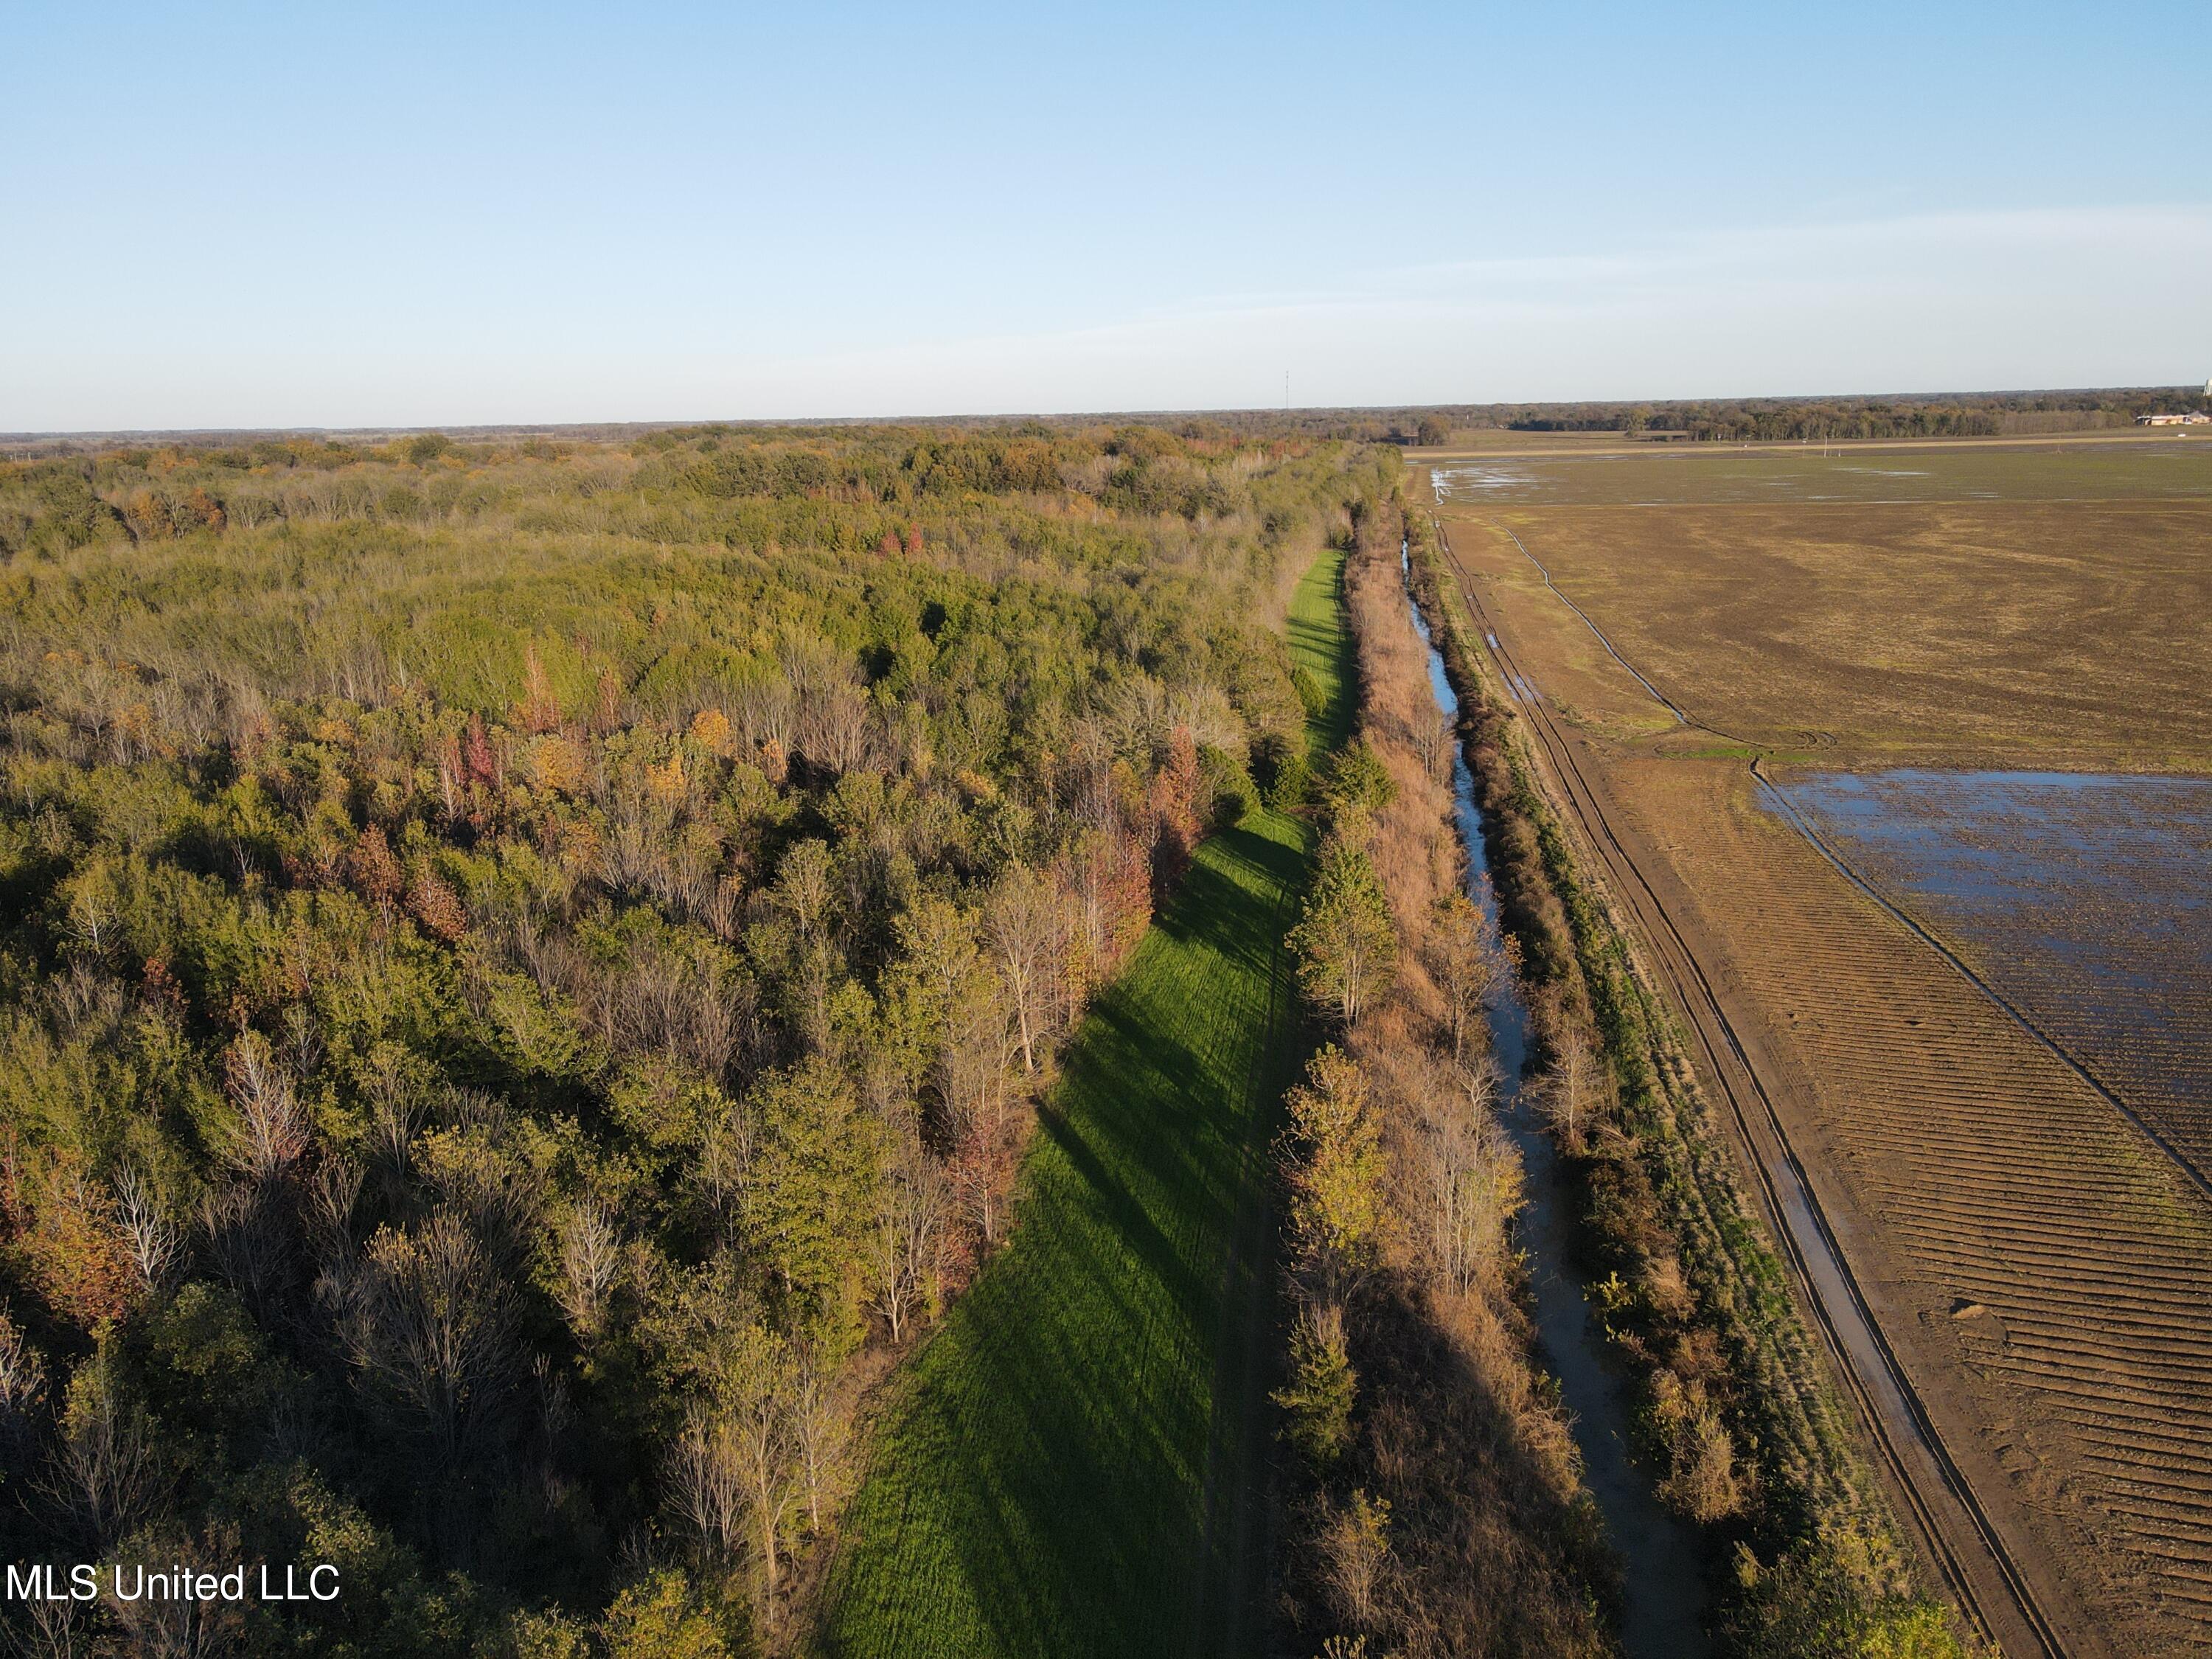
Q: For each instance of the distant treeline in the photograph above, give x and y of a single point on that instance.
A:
(1947, 415)
(1966, 414)
(854, 489)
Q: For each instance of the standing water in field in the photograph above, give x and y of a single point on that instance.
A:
(2083, 900)
(1662, 1617)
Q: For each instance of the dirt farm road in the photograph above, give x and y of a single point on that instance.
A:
(1994, 1575)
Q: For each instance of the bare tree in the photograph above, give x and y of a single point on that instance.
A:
(431, 1330)
(270, 1132)
(756, 1394)
(1355, 1547)
(54, 1629)
(974, 1076)
(725, 1164)
(155, 1241)
(908, 1224)
(398, 1103)
(246, 1227)
(23, 1386)
(1572, 1091)
(704, 1483)
(833, 729)
(330, 1200)
(805, 888)
(161, 1627)
(767, 713)
(817, 1426)
(1469, 965)
(1432, 741)
(1022, 927)
(1469, 1178)
(590, 1261)
(95, 914)
(303, 1035)
(106, 1469)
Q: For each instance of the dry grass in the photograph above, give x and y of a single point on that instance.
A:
(2038, 1263)
(2062, 633)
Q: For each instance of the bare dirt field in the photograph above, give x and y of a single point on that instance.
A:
(2033, 1240)
(2069, 634)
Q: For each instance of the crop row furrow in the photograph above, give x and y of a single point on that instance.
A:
(2160, 1519)
(2120, 1344)
(1977, 1222)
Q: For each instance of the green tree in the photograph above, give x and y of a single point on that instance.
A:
(1322, 1388)
(812, 1197)
(660, 1620)
(1337, 1166)
(1359, 781)
(1346, 944)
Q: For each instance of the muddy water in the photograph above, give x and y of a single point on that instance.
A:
(1663, 1617)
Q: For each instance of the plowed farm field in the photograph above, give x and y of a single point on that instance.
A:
(2083, 901)
(1958, 915)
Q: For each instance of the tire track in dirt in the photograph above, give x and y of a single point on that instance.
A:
(2074, 1254)
(1961, 1540)
(1999, 1173)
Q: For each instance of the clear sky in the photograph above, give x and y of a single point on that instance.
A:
(365, 215)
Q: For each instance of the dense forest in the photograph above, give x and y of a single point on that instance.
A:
(526, 965)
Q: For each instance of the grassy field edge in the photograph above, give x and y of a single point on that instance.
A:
(1075, 1462)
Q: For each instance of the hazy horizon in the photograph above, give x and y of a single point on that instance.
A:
(250, 219)
(900, 417)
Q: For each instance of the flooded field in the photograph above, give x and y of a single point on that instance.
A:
(2083, 900)
(1968, 950)
(1713, 474)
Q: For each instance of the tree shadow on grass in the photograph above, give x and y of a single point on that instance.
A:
(1040, 1488)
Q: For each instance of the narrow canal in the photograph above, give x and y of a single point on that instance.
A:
(1663, 1617)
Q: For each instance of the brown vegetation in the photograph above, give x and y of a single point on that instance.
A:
(2033, 1258)
(1747, 1436)
(1439, 1511)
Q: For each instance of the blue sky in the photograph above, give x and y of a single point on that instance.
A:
(397, 215)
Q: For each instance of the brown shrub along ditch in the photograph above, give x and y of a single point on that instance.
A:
(1434, 1505)
(1739, 1417)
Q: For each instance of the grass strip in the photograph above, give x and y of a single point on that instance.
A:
(1069, 1465)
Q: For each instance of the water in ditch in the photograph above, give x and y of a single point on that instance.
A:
(1663, 1613)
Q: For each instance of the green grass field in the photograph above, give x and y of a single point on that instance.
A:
(1322, 646)
(1074, 1463)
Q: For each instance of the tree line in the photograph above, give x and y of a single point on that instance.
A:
(1807, 420)
(1433, 1505)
